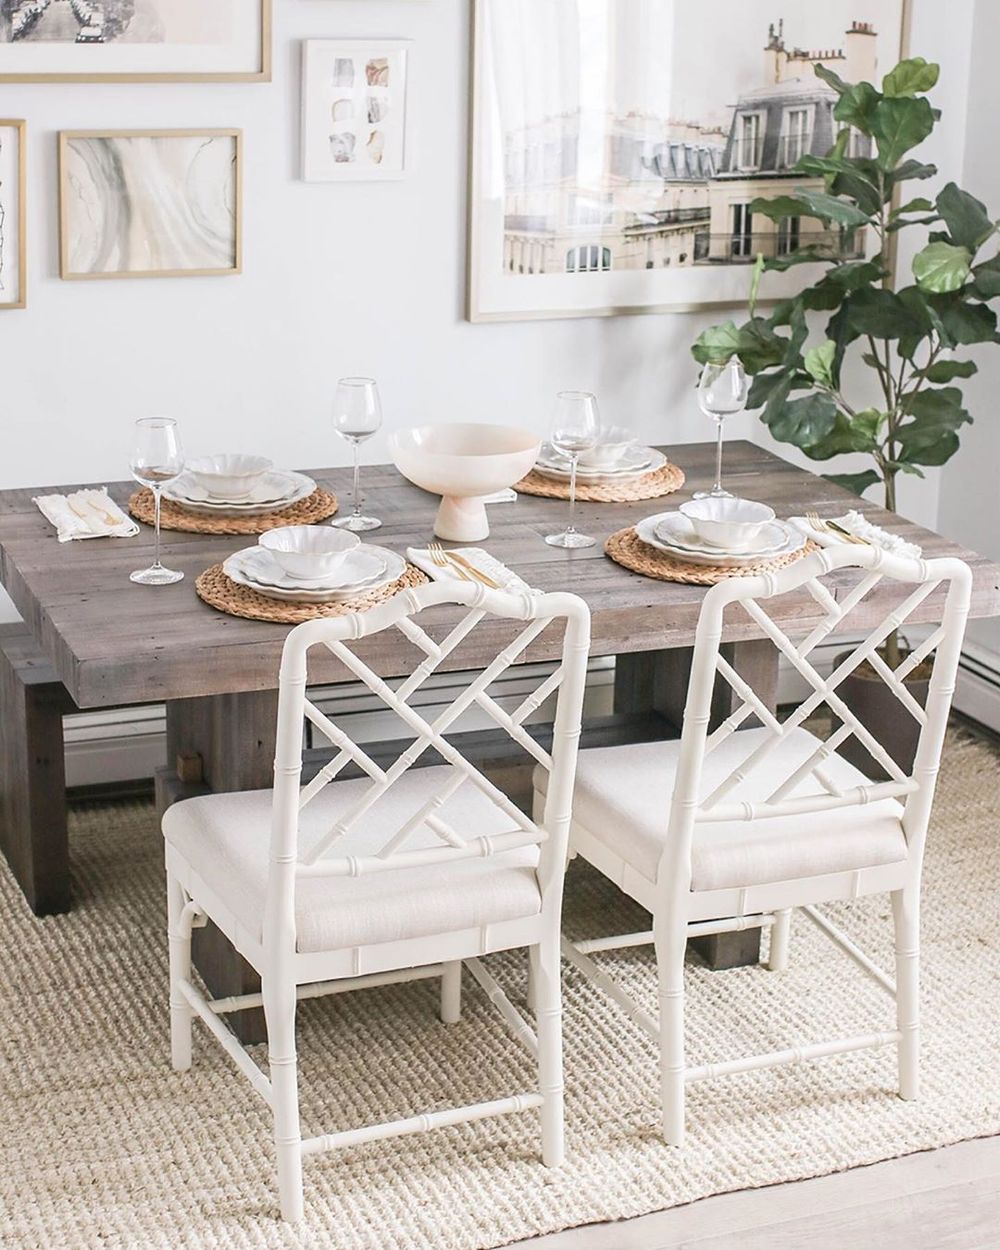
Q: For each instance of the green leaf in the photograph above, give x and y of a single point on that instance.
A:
(881, 314)
(908, 170)
(942, 267)
(949, 370)
(831, 208)
(969, 323)
(942, 406)
(763, 387)
(803, 256)
(986, 284)
(755, 277)
(802, 422)
(849, 434)
(919, 205)
(830, 78)
(819, 362)
(856, 106)
(852, 275)
(759, 346)
(911, 77)
(968, 222)
(780, 206)
(717, 345)
(856, 483)
(930, 436)
(899, 125)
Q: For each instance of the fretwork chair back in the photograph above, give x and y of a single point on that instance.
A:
(768, 819)
(400, 873)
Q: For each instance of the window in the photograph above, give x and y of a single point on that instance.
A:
(588, 259)
(589, 210)
(742, 240)
(748, 140)
(788, 235)
(796, 136)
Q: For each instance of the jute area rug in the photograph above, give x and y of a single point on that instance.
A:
(103, 1145)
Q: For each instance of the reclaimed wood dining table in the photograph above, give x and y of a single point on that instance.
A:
(113, 643)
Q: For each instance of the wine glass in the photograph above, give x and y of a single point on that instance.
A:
(576, 426)
(156, 458)
(722, 390)
(357, 415)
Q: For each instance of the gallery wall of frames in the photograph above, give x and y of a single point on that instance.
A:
(217, 210)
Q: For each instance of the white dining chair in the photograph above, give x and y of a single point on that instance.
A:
(769, 819)
(401, 873)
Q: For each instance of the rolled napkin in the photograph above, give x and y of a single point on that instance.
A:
(494, 569)
(86, 514)
(855, 523)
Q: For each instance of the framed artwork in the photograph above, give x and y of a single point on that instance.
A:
(135, 40)
(353, 109)
(150, 204)
(616, 146)
(13, 253)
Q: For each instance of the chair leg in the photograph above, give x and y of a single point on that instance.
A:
(451, 992)
(777, 959)
(670, 940)
(906, 919)
(544, 968)
(279, 1012)
(179, 945)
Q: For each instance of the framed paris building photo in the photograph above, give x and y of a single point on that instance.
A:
(617, 146)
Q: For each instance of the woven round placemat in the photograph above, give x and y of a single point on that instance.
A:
(220, 591)
(626, 548)
(662, 481)
(315, 507)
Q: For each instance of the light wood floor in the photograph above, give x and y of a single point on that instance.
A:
(946, 1199)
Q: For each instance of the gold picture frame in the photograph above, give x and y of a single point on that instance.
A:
(67, 270)
(261, 73)
(484, 303)
(19, 127)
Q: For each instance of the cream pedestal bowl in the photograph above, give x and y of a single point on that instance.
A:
(462, 463)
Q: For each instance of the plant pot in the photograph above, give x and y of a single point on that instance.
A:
(882, 714)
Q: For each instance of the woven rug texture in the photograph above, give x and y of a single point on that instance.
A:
(102, 1144)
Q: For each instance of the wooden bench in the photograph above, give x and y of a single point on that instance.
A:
(33, 832)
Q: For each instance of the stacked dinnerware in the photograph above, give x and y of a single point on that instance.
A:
(313, 564)
(236, 485)
(616, 456)
(725, 532)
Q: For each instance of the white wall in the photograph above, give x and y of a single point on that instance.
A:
(367, 278)
(970, 492)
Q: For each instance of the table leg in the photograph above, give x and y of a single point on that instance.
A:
(233, 736)
(657, 681)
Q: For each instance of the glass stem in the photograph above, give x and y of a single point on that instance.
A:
(357, 475)
(717, 488)
(571, 528)
(156, 526)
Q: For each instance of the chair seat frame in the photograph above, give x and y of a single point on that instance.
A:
(289, 975)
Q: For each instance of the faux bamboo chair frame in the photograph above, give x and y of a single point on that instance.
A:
(680, 912)
(288, 974)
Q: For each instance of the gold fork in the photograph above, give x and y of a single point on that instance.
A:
(466, 571)
(831, 527)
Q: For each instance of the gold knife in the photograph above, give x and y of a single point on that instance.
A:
(471, 568)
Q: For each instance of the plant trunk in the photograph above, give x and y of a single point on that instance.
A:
(892, 656)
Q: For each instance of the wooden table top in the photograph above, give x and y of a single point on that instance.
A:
(114, 642)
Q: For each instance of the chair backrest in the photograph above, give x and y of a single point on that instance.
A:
(808, 787)
(290, 861)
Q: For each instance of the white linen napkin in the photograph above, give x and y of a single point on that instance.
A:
(855, 523)
(86, 514)
(505, 578)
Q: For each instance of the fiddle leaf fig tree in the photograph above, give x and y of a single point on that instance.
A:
(907, 333)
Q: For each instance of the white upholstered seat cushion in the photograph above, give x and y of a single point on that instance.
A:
(225, 839)
(623, 794)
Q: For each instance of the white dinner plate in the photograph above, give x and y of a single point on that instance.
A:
(637, 460)
(647, 532)
(278, 490)
(244, 567)
(675, 530)
(358, 568)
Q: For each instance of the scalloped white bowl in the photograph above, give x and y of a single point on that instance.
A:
(308, 551)
(229, 475)
(462, 463)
